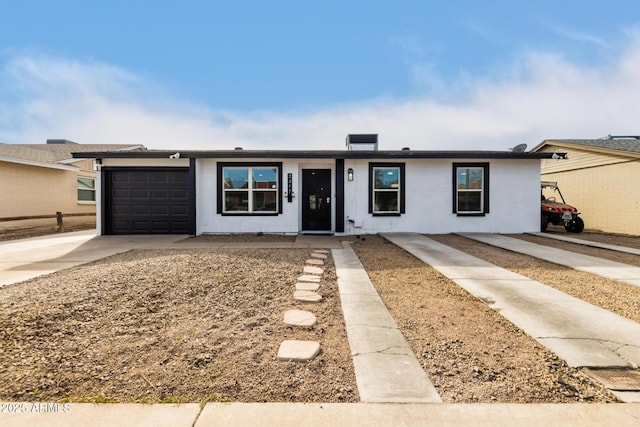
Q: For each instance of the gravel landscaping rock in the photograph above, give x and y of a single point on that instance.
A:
(202, 325)
(171, 325)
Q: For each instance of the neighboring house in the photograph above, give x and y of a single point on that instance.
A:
(42, 179)
(600, 178)
(356, 191)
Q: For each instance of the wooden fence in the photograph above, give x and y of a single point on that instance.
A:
(58, 216)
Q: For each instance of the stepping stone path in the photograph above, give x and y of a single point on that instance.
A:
(305, 286)
(312, 270)
(301, 351)
(307, 296)
(298, 351)
(309, 278)
(301, 318)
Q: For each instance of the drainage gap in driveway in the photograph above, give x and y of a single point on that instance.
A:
(620, 379)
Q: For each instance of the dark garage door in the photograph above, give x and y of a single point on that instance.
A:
(148, 202)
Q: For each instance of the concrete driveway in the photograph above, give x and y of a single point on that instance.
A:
(28, 258)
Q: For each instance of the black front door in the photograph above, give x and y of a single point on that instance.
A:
(316, 199)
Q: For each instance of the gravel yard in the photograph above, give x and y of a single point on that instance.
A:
(171, 325)
(203, 325)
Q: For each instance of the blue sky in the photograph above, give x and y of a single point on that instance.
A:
(295, 74)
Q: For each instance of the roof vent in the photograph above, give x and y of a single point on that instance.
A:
(362, 142)
(622, 137)
(238, 148)
(406, 149)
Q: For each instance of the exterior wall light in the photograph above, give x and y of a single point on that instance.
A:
(350, 174)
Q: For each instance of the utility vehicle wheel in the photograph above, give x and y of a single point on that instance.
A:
(575, 226)
(544, 222)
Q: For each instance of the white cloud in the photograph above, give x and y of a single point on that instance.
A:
(580, 36)
(540, 96)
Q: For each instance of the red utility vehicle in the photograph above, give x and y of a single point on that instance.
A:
(556, 213)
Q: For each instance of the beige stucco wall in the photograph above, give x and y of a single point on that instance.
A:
(605, 191)
(31, 190)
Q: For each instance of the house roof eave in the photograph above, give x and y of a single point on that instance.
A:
(39, 164)
(318, 154)
(575, 144)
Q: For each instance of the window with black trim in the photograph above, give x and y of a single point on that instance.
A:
(386, 188)
(470, 188)
(250, 188)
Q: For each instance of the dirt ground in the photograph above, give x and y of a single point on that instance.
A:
(199, 325)
(171, 326)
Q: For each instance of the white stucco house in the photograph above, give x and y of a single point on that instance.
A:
(359, 190)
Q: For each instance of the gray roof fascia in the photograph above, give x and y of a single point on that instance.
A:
(317, 154)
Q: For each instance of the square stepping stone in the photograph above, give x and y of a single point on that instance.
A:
(320, 251)
(307, 296)
(314, 262)
(298, 351)
(300, 318)
(309, 269)
(307, 286)
(318, 256)
(309, 278)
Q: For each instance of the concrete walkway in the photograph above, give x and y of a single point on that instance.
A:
(580, 333)
(385, 366)
(328, 414)
(601, 267)
(585, 242)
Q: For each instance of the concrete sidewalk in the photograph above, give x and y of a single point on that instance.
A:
(327, 414)
(600, 267)
(580, 333)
